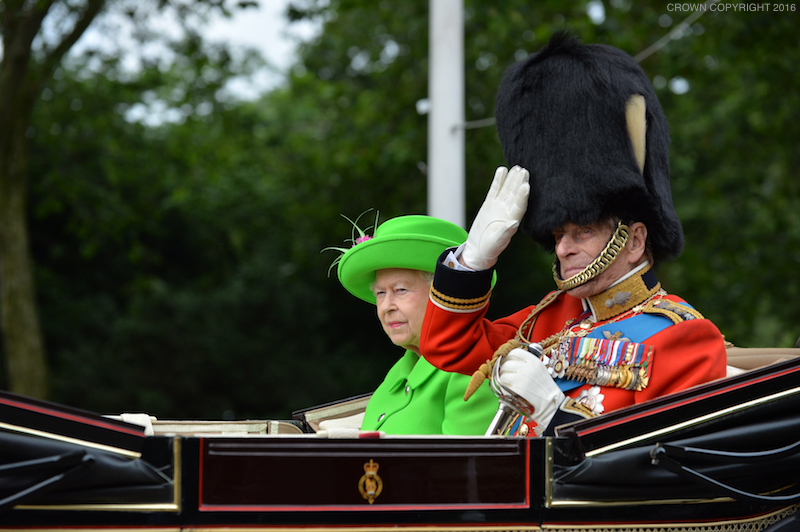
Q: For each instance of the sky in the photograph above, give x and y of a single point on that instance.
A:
(267, 29)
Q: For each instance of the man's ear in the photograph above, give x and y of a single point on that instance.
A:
(637, 241)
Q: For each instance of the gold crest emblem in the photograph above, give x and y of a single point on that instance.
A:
(370, 484)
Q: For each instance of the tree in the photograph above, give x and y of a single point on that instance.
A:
(173, 273)
(725, 83)
(22, 72)
(180, 261)
(36, 37)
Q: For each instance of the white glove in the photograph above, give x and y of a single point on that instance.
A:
(527, 376)
(498, 218)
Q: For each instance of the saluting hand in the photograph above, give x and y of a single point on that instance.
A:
(498, 218)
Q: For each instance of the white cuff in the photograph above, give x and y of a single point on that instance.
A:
(451, 260)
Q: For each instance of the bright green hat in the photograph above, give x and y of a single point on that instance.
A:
(413, 242)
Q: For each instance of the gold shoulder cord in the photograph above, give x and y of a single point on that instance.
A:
(519, 340)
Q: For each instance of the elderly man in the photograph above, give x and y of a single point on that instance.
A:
(589, 140)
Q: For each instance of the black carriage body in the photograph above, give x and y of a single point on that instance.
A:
(720, 455)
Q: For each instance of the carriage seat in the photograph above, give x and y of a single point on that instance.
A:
(742, 359)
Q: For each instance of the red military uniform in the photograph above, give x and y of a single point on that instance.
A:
(585, 123)
(680, 348)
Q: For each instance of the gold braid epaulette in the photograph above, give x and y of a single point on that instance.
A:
(520, 340)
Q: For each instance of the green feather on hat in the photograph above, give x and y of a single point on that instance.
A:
(412, 242)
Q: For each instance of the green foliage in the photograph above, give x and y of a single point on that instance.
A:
(173, 274)
(179, 265)
(735, 161)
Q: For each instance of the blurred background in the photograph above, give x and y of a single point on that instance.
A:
(169, 192)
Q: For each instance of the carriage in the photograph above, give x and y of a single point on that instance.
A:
(724, 456)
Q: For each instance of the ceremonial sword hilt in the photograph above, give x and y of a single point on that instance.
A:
(512, 406)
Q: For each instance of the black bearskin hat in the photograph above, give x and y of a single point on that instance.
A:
(568, 114)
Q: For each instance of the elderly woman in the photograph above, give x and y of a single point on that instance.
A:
(393, 271)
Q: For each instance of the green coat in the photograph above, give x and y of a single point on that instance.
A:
(417, 398)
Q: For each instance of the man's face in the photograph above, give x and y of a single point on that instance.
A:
(577, 246)
(401, 296)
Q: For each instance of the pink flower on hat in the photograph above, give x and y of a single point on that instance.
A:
(363, 237)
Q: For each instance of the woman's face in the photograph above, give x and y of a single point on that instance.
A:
(401, 296)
